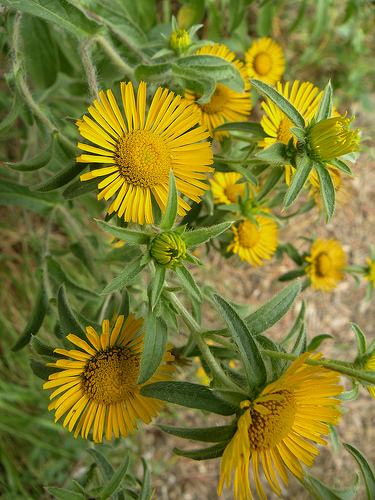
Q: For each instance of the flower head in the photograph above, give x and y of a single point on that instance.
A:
(179, 41)
(99, 381)
(265, 61)
(327, 259)
(331, 138)
(273, 429)
(225, 188)
(253, 243)
(225, 104)
(370, 276)
(370, 366)
(141, 152)
(168, 249)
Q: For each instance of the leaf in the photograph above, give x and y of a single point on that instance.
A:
(328, 493)
(152, 72)
(215, 434)
(44, 349)
(37, 315)
(208, 453)
(187, 394)
(326, 104)
(317, 341)
(327, 190)
(42, 371)
(298, 181)
(271, 181)
(188, 281)
(58, 12)
(113, 484)
(366, 470)
(79, 188)
(13, 114)
(158, 284)
(252, 128)
(125, 277)
(281, 102)
(250, 353)
(63, 177)
(12, 193)
(35, 163)
(245, 173)
(105, 468)
(57, 272)
(199, 236)
(341, 166)
(62, 494)
(172, 205)
(195, 81)
(361, 339)
(68, 321)
(124, 308)
(276, 154)
(300, 344)
(155, 344)
(134, 237)
(146, 483)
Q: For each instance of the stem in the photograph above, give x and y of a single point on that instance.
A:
(242, 161)
(196, 332)
(116, 59)
(89, 66)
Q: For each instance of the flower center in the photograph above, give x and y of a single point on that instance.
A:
(111, 376)
(248, 234)
(271, 426)
(233, 190)
(219, 99)
(143, 158)
(323, 265)
(283, 132)
(262, 63)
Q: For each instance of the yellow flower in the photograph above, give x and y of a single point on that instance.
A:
(274, 427)
(225, 104)
(370, 366)
(142, 152)
(331, 138)
(179, 41)
(341, 182)
(265, 61)
(225, 188)
(370, 276)
(99, 382)
(327, 262)
(255, 244)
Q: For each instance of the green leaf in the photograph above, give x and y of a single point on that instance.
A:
(37, 315)
(13, 114)
(317, 341)
(208, 453)
(276, 154)
(134, 237)
(155, 344)
(271, 312)
(42, 371)
(124, 308)
(298, 181)
(152, 72)
(341, 166)
(40, 50)
(350, 395)
(199, 236)
(62, 494)
(328, 493)
(252, 128)
(44, 349)
(68, 321)
(291, 275)
(12, 193)
(115, 481)
(298, 132)
(195, 81)
(125, 277)
(172, 205)
(245, 173)
(188, 281)
(158, 284)
(105, 468)
(35, 163)
(63, 177)
(300, 344)
(57, 272)
(327, 190)
(281, 102)
(326, 104)
(215, 434)
(58, 12)
(146, 483)
(79, 188)
(361, 339)
(271, 181)
(189, 395)
(248, 348)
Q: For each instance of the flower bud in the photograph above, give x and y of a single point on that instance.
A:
(168, 249)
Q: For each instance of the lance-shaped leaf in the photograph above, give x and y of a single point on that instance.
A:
(276, 154)
(248, 127)
(68, 321)
(110, 488)
(281, 102)
(199, 236)
(300, 344)
(341, 166)
(361, 339)
(35, 163)
(317, 341)
(189, 395)
(134, 237)
(208, 453)
(57, 272)
(79, 188)
(155, 344)
(325, 492)
(327, 189)
(146, 483)
(104, 466)
(250, 353)
(44, 349)
(298, 181)
(215, 434)
(195, 81)
(271, 181)
(326, 104)
(125, 277)
(61, 179)
(172, 205)
(40, 369)
(366, 470)
(13, 114)
(37, 315)
(188, 281)
(158, 284)
(124, 308)
(245, 173)
(63, 494)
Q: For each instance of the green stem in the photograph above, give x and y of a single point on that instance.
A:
(242, 161)
(196, 332)
(219, 340)
(309, 488)
(89, 66)
(116, 59)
